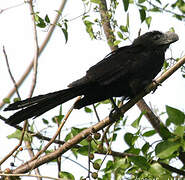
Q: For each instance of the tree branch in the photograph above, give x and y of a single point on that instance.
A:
(106, 25)
(35, 59)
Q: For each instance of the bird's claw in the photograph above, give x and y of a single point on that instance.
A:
(113, 116)
(157, 84)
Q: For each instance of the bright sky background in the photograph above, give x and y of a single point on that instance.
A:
(62, 63)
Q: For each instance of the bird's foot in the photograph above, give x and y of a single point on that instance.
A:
(123, 99)
(115, 113)
(157, 84)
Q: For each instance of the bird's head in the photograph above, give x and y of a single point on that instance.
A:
(156, 39)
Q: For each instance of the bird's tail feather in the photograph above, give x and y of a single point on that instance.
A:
(38, 105)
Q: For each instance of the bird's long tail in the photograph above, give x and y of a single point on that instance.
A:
(34, 107)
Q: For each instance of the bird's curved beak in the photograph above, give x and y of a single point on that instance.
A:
(170, 37)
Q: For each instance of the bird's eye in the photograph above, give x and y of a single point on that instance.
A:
(156, 37)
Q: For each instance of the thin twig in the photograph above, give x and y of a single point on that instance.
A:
(59, 158)
(10, 73)
(166, 10)
(35, 59)
(75, 162)
(96, 113)
(11, 7)
(89, 161)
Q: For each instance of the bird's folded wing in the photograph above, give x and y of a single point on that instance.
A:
(114, 66)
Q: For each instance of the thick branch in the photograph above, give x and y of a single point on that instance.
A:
(153, 119)
(106, 25)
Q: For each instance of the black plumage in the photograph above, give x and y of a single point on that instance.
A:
(123, 72)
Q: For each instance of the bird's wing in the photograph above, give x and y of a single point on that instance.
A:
(114, 66)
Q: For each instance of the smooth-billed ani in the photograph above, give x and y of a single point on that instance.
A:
(123, 72)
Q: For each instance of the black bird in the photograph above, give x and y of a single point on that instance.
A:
(124, 72)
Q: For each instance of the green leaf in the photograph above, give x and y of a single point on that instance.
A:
(132, 150)
(165, 133)
(141, 1)
(109, 166)
(172, 29)
(47, 19)
(135, 124)
(114, 137)
(84, 142)
(16, 99)
(158, 1)
(166, 149)
(155, 9)
(65, 34)
(145, 148)
(88, 110)
(182, 7)
(60, 111)
(116, 42)
(128, 20)
(157, 170)
(178, 17)
(89, 28)
(58, 119)
(17, 135)
(98, 161)
(83, 150)
(142, 15)
(45, 121)
(75, 130)
(175, 116)
(165, 65)
(128, 138)
(123, 28)
(149, 133)
(124, 121)
(122, 163)
(120, 35)
(140, 161)
(106, 176)
(6, 100)
(126, 4)
(179, 131)
(66, 175)
(96, 1)
(165, 6)
(69, 136)
(39, 21)
(65, 24)
(148, 21)
(107, 101)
